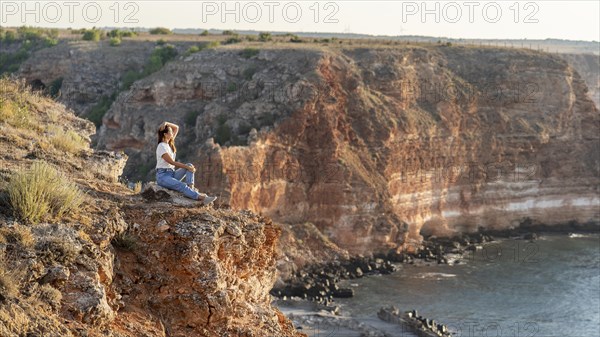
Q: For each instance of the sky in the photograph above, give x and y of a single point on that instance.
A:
(572, 20)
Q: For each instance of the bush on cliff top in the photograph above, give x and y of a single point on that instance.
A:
(160, 31)
(92, 35)
(66, 141)
(29, 39)
(42, 190)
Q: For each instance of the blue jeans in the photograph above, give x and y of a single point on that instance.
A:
(171, 179)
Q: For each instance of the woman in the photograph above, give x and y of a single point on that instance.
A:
(166, 175)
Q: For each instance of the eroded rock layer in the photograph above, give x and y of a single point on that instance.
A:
(375, 144)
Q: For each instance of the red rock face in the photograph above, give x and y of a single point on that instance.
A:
(376, 146)
(383, 141)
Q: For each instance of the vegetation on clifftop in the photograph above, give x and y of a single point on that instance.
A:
(39, 190)
(24, 40)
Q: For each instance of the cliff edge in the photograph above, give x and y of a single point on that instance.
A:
(115, 264)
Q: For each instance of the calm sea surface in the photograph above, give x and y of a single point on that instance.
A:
(516, 288)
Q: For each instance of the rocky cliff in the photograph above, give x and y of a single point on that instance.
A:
(588, 66)
(375, 145)
(118, 265)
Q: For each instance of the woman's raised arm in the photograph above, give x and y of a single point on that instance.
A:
(175, 128)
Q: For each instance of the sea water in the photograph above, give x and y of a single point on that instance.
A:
(513, 288)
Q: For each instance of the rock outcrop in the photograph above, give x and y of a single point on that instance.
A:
(119, 265)
(588, 67)
(209, 272)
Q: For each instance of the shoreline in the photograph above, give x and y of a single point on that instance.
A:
(320, 282)
(435, 251)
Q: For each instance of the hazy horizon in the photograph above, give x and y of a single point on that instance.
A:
(514, 20)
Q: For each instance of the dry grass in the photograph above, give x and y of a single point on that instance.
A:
(137, 188)
(16, 101)
(67, 141)
(17, 234)
(41, 191)
(125, 242)
(13, 321)
(10, 280)
(8, 286)
(15, 115)
(34, 117)
(50, 295)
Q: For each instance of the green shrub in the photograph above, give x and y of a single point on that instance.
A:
(25, 33)
(92, 35)
(193, 49)
(30, 33)
(204, 33)
(99, 110)
(165, 54)
(223, 134)
(191, 116)
(160, 56)
(53, 33)
(54, 87)
(115, 41)
(10, 37)
(128, 33)
(160, 31)
(231, 87)
(264, 37)
(249, 52)
(295, 39)
(125, 241)
(233, 40)
(121, 33)
(42, 190)
(229, 32)
(127, 80)
(213, 44)
(31, 40)
(161, 42)
(50, 42)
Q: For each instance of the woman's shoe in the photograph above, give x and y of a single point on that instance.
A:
(208, 200)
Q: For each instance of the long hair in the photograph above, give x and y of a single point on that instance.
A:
(161, 135)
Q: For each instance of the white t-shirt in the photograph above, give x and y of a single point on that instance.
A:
(161, 149)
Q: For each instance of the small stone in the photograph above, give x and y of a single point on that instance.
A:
(163, 226)
(56, 275)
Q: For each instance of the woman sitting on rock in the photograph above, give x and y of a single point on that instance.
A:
(166, 175)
